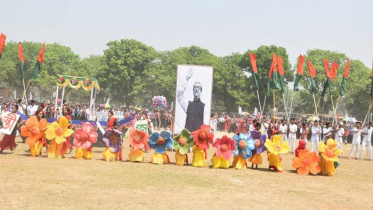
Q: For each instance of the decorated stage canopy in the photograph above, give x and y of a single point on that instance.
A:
(78, 82)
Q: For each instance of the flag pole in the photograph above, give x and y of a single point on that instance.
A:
(264, 104)
(335, 110)
(291, 103)
(260, 107)
(331, 97)
(314, 101)
(369, 108)
(274, 104)
(24, 92)
(286, 109)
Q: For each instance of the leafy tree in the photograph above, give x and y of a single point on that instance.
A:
(124, 64)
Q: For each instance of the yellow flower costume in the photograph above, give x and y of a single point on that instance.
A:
(329, 157)
(275, 147)
(34, 131)
(57, 134)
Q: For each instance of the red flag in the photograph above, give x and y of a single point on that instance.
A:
(253, 62)
(2, 42)
(345, 75)
(41, 54)
(20, 52)
(311, 69)
(280, 64)
(333, 71)
(271, 72)
(300, 65)
(326, 64)
(274, 62)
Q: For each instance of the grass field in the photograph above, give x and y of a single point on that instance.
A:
(42, 183)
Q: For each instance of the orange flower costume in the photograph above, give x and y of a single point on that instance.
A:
(202, 139)
(84, 137)
(138, 141)
(306, 163)
(57, 133)
(329, 157)
(34, 131)
(275, 147)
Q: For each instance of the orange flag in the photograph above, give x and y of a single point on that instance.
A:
(280, 64)
(345, 75)
(333, 71)
(326, 64)
(300, 65)
(253, 62)
(311, 69)
(41, 54)
(20, 52)
(2, 42)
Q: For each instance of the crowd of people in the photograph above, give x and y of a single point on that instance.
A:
(314, 131)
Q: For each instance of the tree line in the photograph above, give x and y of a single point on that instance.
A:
(131, 73)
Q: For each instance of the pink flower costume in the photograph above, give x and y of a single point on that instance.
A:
(84, 137)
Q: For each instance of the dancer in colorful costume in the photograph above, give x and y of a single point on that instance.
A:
(224, 148)
(259, 139)
(57, 133)
(306, 162)
(113, 141)
(329, 157)
(275, 148)
(9, 141)
(301, 146)
(160, 142)
(202, 139)
(84, 137)
(138, 141)
(182, 145)
(34, 131)
(244, 145)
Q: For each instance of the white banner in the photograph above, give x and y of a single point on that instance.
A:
(9, 122)
(193, 97)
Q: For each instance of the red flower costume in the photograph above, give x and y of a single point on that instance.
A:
(202, 139)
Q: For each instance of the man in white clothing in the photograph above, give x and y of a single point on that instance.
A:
(356, 140)
(340, 132)
(315, 131)
(292, 134)
(284, 131)
(327, 131)
(367, 139)
(32, 108)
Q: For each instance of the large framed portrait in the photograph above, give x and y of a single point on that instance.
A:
(193, 97)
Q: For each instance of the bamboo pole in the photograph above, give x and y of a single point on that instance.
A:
(274, 104)
(264, 104)
(260, 107)
(314, 101)
(286, 109)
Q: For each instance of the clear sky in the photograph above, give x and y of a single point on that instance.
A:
(221, 26)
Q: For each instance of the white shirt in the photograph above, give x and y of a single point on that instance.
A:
(293, 129)
(368, 136)
(283, 129)
(251, 127)
(326, 131)
(314, 131)
(32, 109)
(340, 133)
(21, 108)
(357, 136)
(264, 127)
